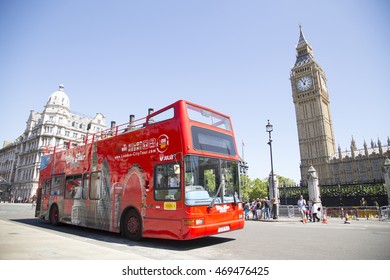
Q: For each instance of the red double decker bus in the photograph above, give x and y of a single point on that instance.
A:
(173, 174)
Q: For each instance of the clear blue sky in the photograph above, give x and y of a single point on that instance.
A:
(121, 57)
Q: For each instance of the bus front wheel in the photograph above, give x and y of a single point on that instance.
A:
(132, 225)
(54, 215)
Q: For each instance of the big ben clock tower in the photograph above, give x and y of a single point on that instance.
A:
(311, 100)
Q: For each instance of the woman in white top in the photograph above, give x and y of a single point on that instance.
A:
(302, 208)
(314, 211)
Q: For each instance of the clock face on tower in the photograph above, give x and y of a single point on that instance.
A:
(304, 83)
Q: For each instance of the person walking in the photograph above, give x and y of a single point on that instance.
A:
(267, 205)
(302, 208)
(34, 201)
(254, 210)
(344, 215)
(363, 205)
(314, 210)
(309, 207)
(247, 209)
(258, 209)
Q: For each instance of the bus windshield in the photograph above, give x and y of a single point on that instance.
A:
(207, 117)
(210, 180)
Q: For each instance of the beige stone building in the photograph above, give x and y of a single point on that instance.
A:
(315, 132)
(56, 126)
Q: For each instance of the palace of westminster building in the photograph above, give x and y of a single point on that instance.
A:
(57, 125)
(315, 132)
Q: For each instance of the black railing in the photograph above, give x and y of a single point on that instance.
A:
(338, 195)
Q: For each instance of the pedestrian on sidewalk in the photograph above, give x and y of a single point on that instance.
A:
(344, 214)
(254, 210)
(247, 209)
(309, 212)
(258, 209)
(267, 206)
(363, 204)
(34, 201)
(302, 208)
(314, 210)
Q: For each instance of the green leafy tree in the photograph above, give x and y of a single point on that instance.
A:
(252, 189)
(283, 181)
(245, 187)
(257, 188)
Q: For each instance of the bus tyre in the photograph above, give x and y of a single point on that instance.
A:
(132, 225)
(54, 215)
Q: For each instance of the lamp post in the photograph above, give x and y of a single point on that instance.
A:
(269, 128)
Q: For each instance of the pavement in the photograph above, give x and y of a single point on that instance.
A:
(24, 237)
(286, 219)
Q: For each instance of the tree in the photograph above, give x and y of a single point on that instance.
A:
(283, 181)
(252, 189)
(257, 188)
(245, 187)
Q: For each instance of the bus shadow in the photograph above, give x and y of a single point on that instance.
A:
(105, 236)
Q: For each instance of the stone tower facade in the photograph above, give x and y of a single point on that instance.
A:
(311, 100)
(315, 133)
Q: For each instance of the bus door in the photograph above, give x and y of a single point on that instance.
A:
(73, 195)
(164, 215)
(38, 201)
(57, 191)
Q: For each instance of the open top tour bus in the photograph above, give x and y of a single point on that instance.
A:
(173, 174)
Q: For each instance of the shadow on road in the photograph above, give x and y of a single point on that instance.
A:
(105, 236)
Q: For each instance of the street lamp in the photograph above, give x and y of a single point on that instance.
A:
(269, 128)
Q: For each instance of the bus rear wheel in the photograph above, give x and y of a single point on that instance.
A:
(54, 215)
(132, 225)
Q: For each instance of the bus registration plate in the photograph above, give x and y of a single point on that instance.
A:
(224, 228)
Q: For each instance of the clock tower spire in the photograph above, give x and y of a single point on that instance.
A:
(314, 124)
(304, 50)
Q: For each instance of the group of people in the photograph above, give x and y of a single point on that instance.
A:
(309, 210)
(19, 199)
(258, 209)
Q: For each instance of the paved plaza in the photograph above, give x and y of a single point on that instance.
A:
(24, 237)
